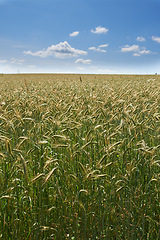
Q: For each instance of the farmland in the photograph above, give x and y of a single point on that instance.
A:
(79, 159)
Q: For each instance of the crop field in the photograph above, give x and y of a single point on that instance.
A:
(79, 157)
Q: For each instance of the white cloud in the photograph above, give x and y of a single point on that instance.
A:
(87, 61)
(141, 52)
(99, 30)
(103, 46)
(61, 50)
(136, 55)
(101, 50)
(97, 49)
(127, 48)
(92, 48)
(136, 49)
(74, 34)
(140, 39)
(145, 51)
(156, 39)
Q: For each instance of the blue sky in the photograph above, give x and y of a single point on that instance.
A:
(80, 36)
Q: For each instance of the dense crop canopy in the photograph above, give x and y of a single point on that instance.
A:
(79, 157)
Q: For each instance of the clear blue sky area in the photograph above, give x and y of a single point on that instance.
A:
(80, 36)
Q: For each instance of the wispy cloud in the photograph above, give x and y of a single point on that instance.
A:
(141, 39)
(156, 39)
(99, 30)
(137, 51)
(61, 50)
(136, 54)
(133, 48)
(145, 51)
(87, 61)
(3, 61)
(98, 49)
(74, 34)
(103, 46)
(16, 61)
(12, 61)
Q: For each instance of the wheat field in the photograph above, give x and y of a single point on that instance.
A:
(79, 157)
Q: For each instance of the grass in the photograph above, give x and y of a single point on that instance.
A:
(79, 159)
